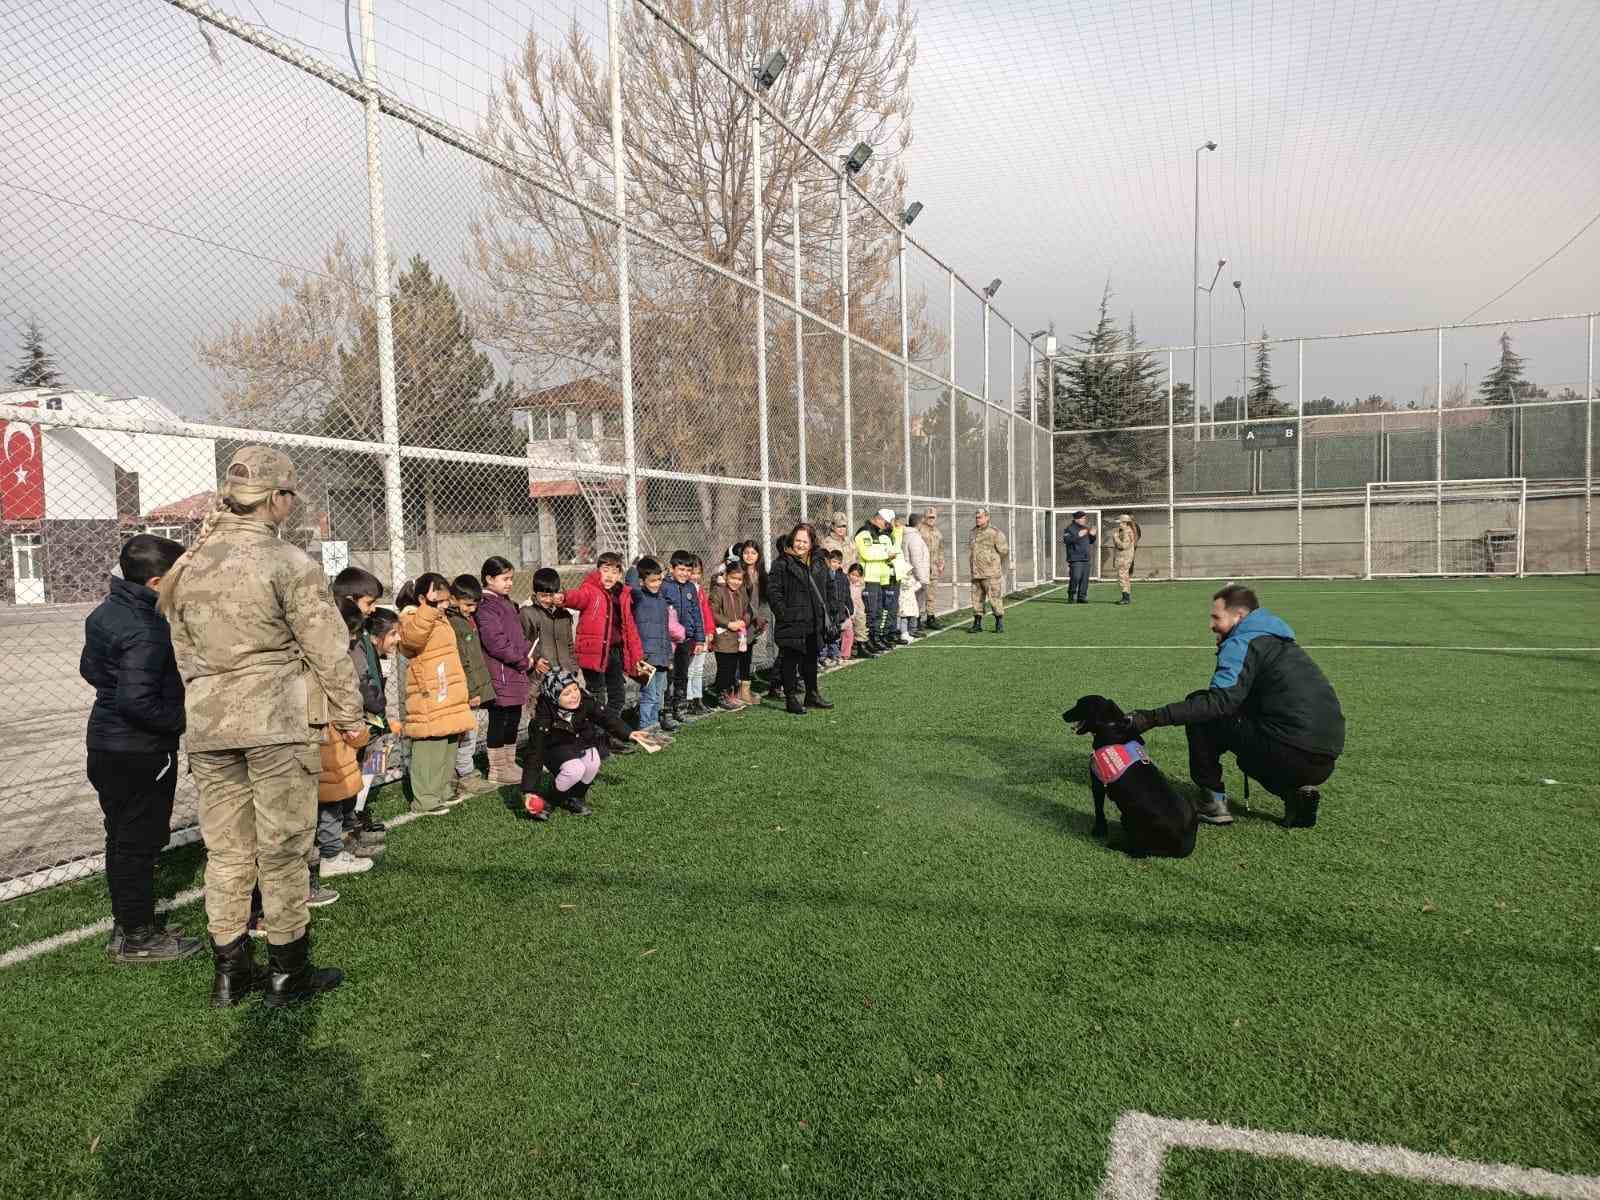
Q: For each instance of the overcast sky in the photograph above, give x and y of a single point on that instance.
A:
(1381, 163)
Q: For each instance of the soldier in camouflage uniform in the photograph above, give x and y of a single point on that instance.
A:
(935, 539)
(265, 657)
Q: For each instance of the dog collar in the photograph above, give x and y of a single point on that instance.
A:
(1110, 763)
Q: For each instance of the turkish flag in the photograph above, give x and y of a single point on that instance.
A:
(21, 472)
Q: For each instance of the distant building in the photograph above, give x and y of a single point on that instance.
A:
(579, 512)
(69, 496)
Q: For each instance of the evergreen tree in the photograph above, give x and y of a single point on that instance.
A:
(38, 366)
(1089, 385)
(1100, 388)
(1144, 389)
(1263, 393)
(1503, 384)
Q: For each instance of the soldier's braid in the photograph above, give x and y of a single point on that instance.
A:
(235, 497)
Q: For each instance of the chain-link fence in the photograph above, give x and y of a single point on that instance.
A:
(1270, 477)
(536, 286)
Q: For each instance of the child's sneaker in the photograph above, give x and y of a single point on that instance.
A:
(345, 863)
(364, 849)
(575, 806)
(318, 897)
(534, 805)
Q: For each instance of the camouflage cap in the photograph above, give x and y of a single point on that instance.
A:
(931, 514)
(263, 467)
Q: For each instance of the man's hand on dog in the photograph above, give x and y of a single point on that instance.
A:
(1135, 724)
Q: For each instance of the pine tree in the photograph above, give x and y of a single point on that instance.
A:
(1089, 386)
(38, 366)
(1099, 388)
(1144, 391)
(1504, 384)
(1263, 394)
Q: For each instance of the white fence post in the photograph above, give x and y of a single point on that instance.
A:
(905, 373)
(799, 335)
(844, 323)
(393, 501)
(1438, 454)
(1172, 508)
(630, 459)
(758, 227)
(1588, 453)
(1300, 459)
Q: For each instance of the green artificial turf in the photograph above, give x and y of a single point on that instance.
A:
(875, 952)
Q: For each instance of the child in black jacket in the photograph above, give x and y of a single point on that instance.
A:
(132, 739)
(568, 734)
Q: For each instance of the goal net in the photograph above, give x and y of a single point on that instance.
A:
(1454, 527)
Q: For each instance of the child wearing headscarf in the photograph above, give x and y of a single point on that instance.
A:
(568, 735)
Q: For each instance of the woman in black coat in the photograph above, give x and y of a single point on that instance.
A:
(803, 616)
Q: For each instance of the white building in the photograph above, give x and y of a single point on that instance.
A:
(72, 493)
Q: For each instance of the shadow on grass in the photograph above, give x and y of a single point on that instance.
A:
(278, 1116)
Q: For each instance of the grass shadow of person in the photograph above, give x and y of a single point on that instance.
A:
(277, 1115)
(1034, 780)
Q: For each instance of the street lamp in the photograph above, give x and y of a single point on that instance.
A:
(1211, 398)
(912, 212)
(1194, 295)
(994, 286)
(1244, 352)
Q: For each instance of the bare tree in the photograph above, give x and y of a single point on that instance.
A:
(549, 280)
(282, 368)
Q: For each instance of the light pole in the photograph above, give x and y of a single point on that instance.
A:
(1210, 398)
(1244, 352)
(1194, 295)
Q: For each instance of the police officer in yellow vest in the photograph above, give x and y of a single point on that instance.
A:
(265, 657)
(877, 547)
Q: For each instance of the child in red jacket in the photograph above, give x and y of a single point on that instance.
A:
(604, 608)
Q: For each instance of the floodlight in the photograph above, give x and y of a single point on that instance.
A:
(858, 158)
(988, 292)
(767, 71)
(911, 213)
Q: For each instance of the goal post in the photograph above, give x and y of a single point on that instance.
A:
(1446, 527)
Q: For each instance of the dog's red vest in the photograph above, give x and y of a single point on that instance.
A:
(1109, 763)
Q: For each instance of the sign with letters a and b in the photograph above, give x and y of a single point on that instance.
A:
(1268, 435)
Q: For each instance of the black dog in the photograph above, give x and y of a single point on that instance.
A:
(1155, 818)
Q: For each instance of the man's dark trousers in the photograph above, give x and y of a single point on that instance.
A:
(872, 594)
(1277, 767)
(607, 686)
(891, 613)
(135, 792)
(1078, 581)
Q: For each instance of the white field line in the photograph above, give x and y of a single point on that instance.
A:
(1139, 1145)
(73, 936)
(1212, 649)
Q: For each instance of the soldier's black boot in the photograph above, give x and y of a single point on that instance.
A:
(236, 971)
(291, 977)
(999, 624)
(814, 700)
(792, 704)
(1126, 598)
(977, 625)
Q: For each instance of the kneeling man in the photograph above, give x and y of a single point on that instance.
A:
(1268, 703)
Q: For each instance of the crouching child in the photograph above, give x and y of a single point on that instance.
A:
(569, 736)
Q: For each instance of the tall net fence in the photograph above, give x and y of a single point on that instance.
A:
(540, 284)
(1271, 476)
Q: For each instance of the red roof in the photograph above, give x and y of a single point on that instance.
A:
(190, 508)
(585, 395)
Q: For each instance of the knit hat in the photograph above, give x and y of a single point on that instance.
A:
(1079, 513)
(555, 682)
(263, 467)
